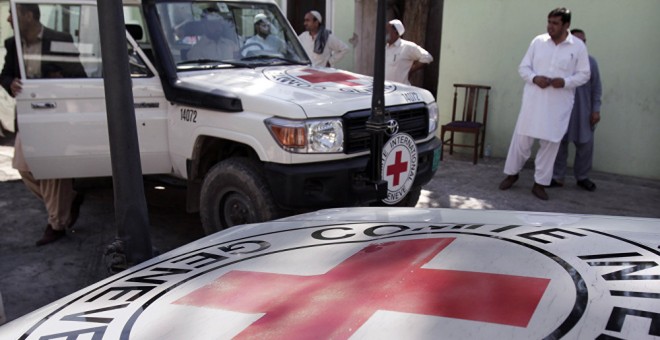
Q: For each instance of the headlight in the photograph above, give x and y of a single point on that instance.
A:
(308, 136)
(433, 117)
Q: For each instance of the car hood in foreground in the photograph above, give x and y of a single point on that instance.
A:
(382, 273)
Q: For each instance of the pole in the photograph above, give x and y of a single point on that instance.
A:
(131, 217)
(376, 124)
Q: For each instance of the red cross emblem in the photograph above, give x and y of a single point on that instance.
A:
(379, 277)
(316, 76)
(397, 168)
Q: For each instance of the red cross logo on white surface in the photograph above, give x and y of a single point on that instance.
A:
(397, 168)
(315, 76)
(386, 277)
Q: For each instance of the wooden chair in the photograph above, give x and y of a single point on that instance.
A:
(468, 119)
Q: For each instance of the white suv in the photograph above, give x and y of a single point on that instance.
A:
(255, 131)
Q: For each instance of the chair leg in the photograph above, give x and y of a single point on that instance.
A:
(451, 143)
(483, 142)
(476, 148)
(442, 143)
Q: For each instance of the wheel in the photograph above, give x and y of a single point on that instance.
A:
(235, 192)
(409, 201)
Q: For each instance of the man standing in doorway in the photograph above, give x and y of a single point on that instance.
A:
(555, 64)
(585, 116)
(322, 47)
(402, 57)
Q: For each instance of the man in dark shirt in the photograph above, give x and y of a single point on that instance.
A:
(47, 54)
(584, 117)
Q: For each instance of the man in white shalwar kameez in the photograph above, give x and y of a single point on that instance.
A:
(322, 47)
(402, 57)
(555, 64)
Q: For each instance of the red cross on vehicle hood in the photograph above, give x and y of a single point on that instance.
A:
(336, 304)
(315, 76)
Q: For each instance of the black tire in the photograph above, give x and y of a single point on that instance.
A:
(235, 192)
(409, 201)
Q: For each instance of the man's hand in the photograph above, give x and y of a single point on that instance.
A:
(595, 118)
(541, 81)
(557, 83)
(16, 86)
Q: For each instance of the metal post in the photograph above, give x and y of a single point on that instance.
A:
(131, 216)
(376, 124)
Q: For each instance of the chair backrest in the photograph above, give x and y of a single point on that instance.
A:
(472, 102)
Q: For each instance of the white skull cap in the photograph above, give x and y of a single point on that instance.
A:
(260, 17)
(317, 15)
(398, 26)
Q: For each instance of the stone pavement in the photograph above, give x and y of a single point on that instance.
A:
(459, 184)
(31, 276)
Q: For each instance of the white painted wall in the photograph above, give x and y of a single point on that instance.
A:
(484, 41)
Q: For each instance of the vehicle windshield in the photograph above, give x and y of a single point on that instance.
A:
(216, 34)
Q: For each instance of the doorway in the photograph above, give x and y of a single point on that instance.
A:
(423, 22)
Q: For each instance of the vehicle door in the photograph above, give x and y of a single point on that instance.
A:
(6, 101)
(61, 110)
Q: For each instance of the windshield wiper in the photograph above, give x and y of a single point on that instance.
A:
(200, 61)
(251, 61)
(205, 64)
(265, 56)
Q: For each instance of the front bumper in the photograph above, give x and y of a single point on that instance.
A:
(338, 183)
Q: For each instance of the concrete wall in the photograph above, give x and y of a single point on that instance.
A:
(484, 41)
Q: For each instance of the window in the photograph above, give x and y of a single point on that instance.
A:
(69, 45)
(50, 41)
(219, 34)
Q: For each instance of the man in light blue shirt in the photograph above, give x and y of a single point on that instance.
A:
(263, 42)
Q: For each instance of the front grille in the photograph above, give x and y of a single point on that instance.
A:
(412, 119)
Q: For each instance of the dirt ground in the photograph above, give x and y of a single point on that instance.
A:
(31, 276)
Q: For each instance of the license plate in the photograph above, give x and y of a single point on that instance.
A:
(436, 159)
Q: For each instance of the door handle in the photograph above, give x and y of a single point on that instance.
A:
(146, 105)
(44, 105)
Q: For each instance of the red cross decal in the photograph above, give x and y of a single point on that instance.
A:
(397, 168)
(379, 277)
(316, 76)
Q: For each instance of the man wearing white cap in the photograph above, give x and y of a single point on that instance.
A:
(322, 47)
(402, 57)
(262, 39)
